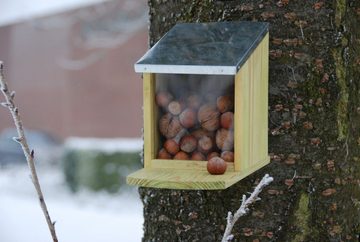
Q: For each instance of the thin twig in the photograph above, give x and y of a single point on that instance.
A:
(244, 208)
(29, 154)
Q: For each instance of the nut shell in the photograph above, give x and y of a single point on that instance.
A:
(193, 101)
(163, 154)
(225, 139)
(224, 103)
(163, 99)
(209, 117)
(227, 156)
(188, 118)
(205, 144)
(169, 126)
(216, 166)
(202, 132)
(174, 108)
(188, 143)
(198, 156)
(227, 120)
(181, 155)
(212, 155)
(171, 146)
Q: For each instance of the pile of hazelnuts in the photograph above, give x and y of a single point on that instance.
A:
(193, 128)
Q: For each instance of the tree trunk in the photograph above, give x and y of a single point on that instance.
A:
(314, 129)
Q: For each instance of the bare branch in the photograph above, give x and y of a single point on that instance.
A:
(244, 208)
(21, 139)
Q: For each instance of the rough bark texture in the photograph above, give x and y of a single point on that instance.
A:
(314, 129)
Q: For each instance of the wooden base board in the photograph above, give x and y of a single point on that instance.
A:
(188, 179)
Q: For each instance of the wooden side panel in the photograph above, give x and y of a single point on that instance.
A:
(242, 117)
(260, 114)
(260, 102)
(150, 127)
(251, 109)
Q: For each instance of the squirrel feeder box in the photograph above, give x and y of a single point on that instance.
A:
(205, 94)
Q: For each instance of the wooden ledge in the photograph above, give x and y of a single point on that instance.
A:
(188, 179)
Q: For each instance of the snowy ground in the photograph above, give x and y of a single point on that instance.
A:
(85, 216)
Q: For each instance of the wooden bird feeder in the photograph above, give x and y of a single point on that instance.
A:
(205, 95)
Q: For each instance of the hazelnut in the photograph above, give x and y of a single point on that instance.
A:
(212, 154)
(216, 166)
(163, 154)
(163, 99)
(188, 143)
(198, 133)
(227, 120)
(169, 126)
(193, 101)
(205, 144)
(188, 118)
(227, 156)
(171, 146)
(181, 155)
(174, 108)
(224, 103)
(208, 117)
(197, 156)
(225, 139)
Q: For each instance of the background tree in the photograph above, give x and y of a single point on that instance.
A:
(314, 128)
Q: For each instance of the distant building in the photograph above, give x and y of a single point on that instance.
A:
(72, 69)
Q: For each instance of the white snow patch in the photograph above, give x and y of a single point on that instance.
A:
(84, 216)
(105, 145)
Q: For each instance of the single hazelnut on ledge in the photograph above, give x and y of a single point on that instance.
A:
(171, 146)
(163, 99)
(169, 126)
(163, 154)
(188, 118)
(216, 166)
(188, 143)
(227, 156)
(208, 117)
(197, 156)
(225, 139)
(181, 155)
(227, 120)
(224, 103)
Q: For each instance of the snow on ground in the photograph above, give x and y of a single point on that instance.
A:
(84, 216)
(105, 145)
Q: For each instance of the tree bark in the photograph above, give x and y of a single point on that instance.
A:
(314, 129)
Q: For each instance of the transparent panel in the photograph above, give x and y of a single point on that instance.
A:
(195, 116)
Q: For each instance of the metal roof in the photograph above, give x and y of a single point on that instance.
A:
(203, 48)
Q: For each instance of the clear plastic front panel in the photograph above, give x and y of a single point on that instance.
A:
(195, 116)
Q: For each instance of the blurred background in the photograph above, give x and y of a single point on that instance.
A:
(71, 65)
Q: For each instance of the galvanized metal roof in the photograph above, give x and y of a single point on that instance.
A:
(203, 48)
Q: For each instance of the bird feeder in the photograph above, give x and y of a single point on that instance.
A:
(205, 95)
